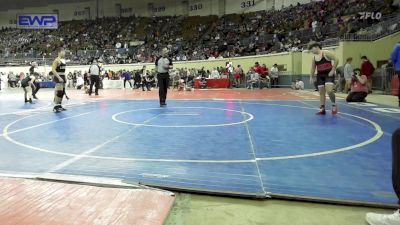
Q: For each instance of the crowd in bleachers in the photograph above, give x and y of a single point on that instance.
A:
(139, 39)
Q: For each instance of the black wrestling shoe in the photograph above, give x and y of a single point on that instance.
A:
(35, 97)
(30, 101)
(57, 109)
(63, 109)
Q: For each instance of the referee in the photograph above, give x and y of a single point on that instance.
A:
(163, 65)
(94, 72)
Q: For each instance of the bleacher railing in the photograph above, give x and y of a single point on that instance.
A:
(382, 78)
(377, 31)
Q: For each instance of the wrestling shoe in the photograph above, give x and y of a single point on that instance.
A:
(334, 110)
(321, 111)
(382, 219)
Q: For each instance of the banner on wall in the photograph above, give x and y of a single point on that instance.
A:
(37, 21)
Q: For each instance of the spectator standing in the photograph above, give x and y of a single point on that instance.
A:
(367, 69)
(238, 72)
(387, 73)
(348, 74)
(143, 77)
(314, 26)
(395, 57)
(127, 78)
(339, 80)
(12, 80)
(229, 70)
(275, 76)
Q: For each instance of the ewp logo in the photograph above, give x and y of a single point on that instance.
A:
(372, 15)
(37, 21)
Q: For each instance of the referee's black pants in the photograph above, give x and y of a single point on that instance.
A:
(37, 87)
(396, 162)
(94, 80)
(163, 83)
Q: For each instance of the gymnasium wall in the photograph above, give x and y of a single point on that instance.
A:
(376, 51)
(283, 59)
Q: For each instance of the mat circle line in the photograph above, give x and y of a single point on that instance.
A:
(377, 135)
(250, 117)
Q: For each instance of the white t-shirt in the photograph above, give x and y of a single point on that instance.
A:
(215, 74)
(300, 85)
(274, 72)
(94, 70)
(79, 81)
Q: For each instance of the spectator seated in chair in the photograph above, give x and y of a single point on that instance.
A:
(203, 83)
(175, 81)
(298, 85)
(181, 85)
(252, 79)
(264, 81)
(189, 84)
(137, 80)
(359, 87)
(79, 82)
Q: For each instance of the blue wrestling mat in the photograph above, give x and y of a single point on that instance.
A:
(249, 148)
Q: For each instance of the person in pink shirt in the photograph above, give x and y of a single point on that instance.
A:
(359, 88)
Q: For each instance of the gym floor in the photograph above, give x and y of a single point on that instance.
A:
(252, 143)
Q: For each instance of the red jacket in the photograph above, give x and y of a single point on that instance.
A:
(265, 70)
(258, 69)
(367, 69)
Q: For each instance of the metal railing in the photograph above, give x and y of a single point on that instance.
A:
(377, 31)
(382, 79)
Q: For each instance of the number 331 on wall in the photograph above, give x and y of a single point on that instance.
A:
(247, 4)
